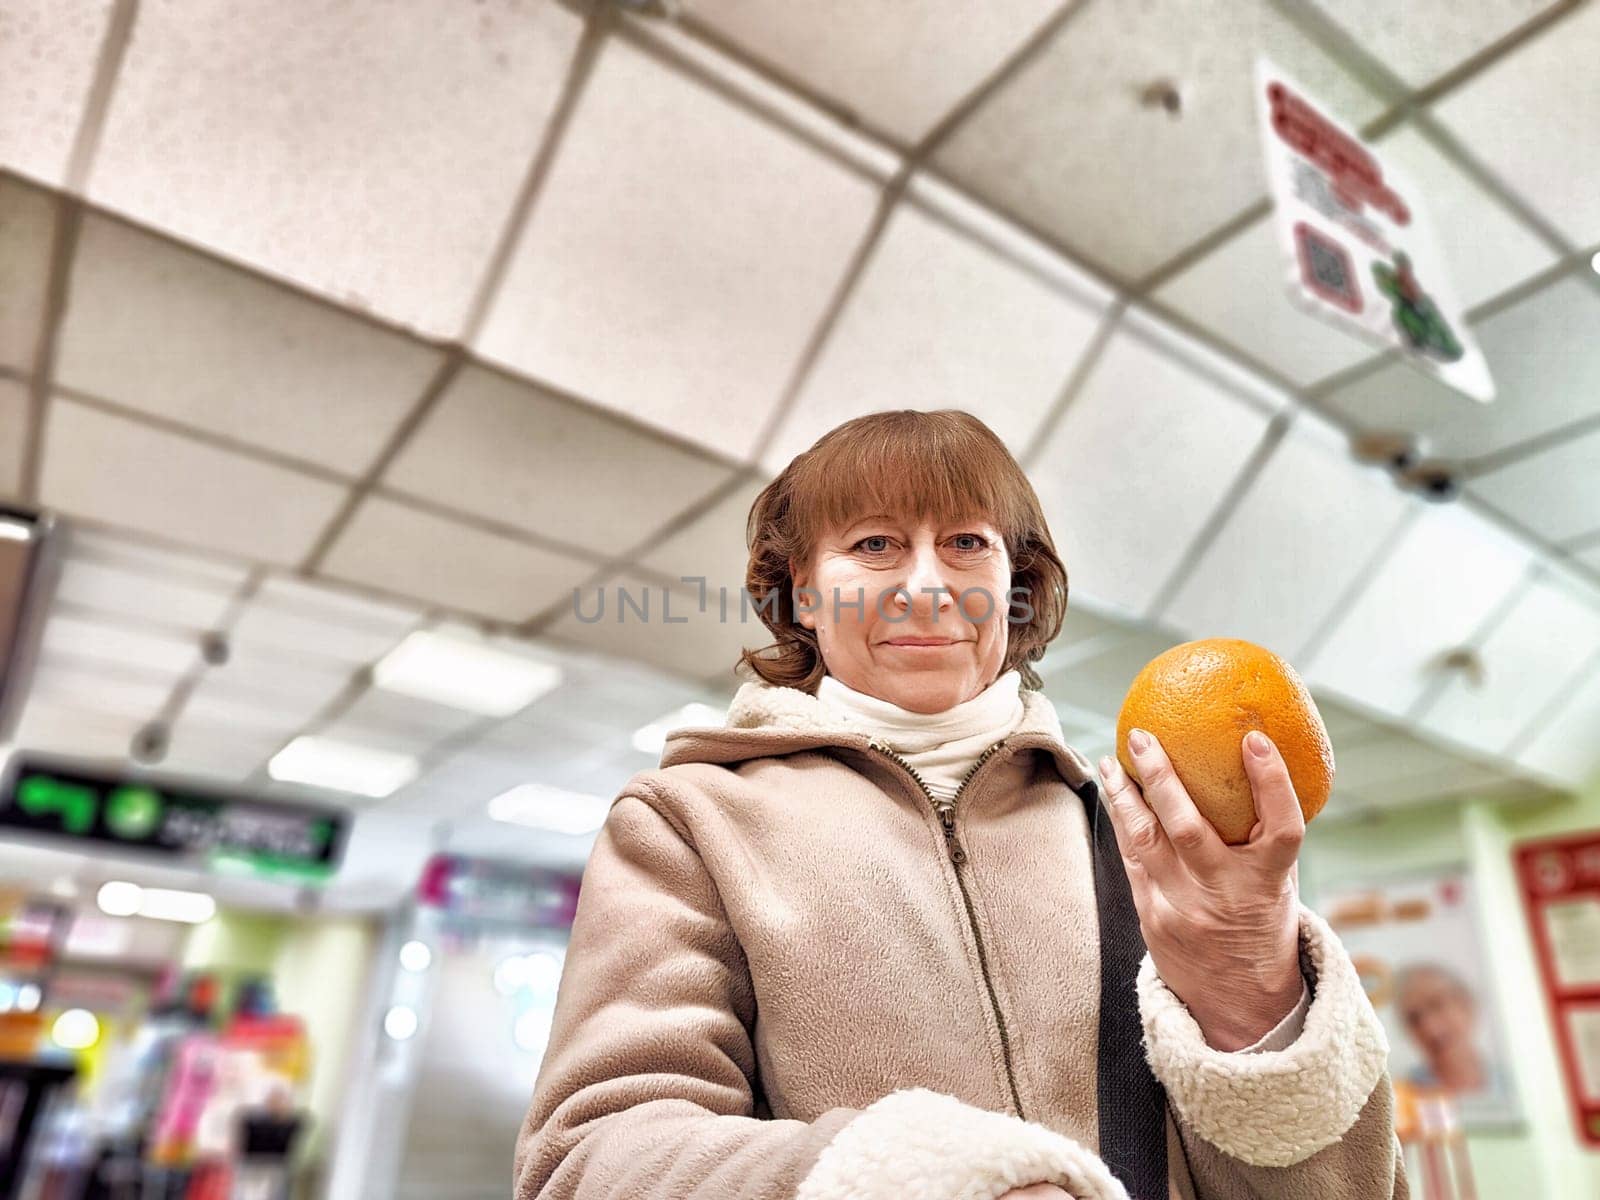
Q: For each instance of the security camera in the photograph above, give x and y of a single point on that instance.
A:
(150, 743)
(214, 647)
(1433, 481)
(1396, 450)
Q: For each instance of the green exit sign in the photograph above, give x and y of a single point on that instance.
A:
(74, 802)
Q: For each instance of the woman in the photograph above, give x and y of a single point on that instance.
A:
(881, 936)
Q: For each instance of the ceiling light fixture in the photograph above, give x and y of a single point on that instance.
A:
(551, 809)
(119, 898)
(342, 766)
(466, 675)
(15, 531)
(652, 738)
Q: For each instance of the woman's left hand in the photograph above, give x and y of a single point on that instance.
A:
(1221, 922)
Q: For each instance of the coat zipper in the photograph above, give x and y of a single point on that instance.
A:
(945, 810)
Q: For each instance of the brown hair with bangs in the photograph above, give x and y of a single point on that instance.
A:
(936, 466)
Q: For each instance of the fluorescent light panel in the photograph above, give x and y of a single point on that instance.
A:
(342, 766)
(465, 675)
(549, 808)
(118, 898)
(652, 738)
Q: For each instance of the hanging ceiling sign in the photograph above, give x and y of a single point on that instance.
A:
(59, 799)
(1361, 251)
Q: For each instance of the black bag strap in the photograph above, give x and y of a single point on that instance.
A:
(1133, 1104)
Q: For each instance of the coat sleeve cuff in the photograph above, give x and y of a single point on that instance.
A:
(918, 1142)
(1283, 1034)
(1273, 1108)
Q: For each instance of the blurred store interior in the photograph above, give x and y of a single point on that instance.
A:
(350, 352)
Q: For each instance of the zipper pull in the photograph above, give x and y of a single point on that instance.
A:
(947, 818)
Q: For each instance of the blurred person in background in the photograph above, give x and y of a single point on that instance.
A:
(875, 935)
(1440, 1016)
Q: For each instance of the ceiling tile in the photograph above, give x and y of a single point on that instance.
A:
(1553, 160)
(1310, 521)
(320, 621)
(118, 645)
(115, 470)
(48, 52)
(265, 688)
(109, 588)
(14, 405)
(1566, 748)
(413, 553)
(1556, 492)
(408, 717)
(1545, 360)
(938, 321)
(1485, 248)
(1443, 577)
(27, 222)
(637, 620)
(144, 556)
(1426, 38)
(76, 732)
(900, 66)
(373, 159)
(90, 681)
(711, 546)
(1068, 146)
(1529, 658)
(1397, 766)
(513, 453)
(607, 699)
(220, 702)
(259, 363)
(679, 256)
(1137, 464)
(1240, 291)
(1344, 724)
(223, 753)
(1100, 682)
(1589, 557)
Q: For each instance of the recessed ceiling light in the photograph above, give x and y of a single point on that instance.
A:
(342, 766)
(462, 674)
(1595, 262)
(169, 904)
(119, 898)
(550, 808)
(415, 955)
(652, 738)
(15, 531)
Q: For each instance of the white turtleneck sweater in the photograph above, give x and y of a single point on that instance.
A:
(943, 746)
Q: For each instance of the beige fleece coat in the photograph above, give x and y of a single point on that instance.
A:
(774, 991)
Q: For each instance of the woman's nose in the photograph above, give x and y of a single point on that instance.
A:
(925, 574)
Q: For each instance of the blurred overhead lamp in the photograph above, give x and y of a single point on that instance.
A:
(552, 809)
(342, 766)
(462, 674)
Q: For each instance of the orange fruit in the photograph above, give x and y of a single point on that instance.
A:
(1200, 699)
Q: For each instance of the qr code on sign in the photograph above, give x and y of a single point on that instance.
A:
(1326, 269)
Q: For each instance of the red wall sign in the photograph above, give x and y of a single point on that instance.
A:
(1560, 881)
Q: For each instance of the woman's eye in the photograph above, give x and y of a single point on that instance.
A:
(971, 543)
(873, 549)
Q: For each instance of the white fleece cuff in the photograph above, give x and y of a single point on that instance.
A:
(1272, 1108)
(924, 1144)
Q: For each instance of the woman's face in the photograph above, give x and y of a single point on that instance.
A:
(953, 585)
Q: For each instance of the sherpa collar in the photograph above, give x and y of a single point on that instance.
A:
(764, 720)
